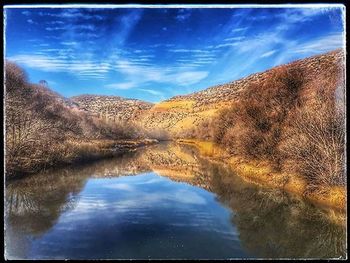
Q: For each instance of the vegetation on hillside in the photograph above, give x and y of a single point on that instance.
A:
(292, 116)
(41, 130)
(294, 122)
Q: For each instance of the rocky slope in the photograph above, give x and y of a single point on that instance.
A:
(113, 108)
(183, 112)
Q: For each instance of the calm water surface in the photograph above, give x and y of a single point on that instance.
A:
(162, 201)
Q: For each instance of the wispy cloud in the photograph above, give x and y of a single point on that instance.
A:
(239, 29)
(73, 13)
(69, 43)
(183, 50)
(122, 86)
(268, 54)
(228, 45)
(189, 78)
(300, 15)
(319, 45)
(149, 73)
(151, 91)
(234, 38)
(80, 68)
(126, 51)
(54, 28)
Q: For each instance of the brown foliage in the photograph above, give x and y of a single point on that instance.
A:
(39, 124)
(295, 123)
(315, 141)
(253, 126)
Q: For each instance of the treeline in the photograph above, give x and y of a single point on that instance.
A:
(41, 130)
(295, 121)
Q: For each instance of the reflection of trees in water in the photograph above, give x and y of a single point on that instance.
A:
(274, 224)
(33, 204)
(270, 223)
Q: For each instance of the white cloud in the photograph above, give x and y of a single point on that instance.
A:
(189, 78)
(239, 29)
(57, 22)
(72, 13)
(57, 63)
(69, 43)
(322, 44)
(268, 54)
(228, 45)
(122, 85)
(40, 62)
(153, 92)
(299, 15)
(234, 38)
(142, 74)
(183, 50)
(54, 28)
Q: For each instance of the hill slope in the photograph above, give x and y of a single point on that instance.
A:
(113, 108)
(181, 113)
(44, 129)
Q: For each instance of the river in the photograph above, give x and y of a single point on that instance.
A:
(162, 201)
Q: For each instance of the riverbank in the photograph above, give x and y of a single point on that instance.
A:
(81, 151)
(261, 173)
(97, 149)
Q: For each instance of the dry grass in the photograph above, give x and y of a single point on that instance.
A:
(263, 174)
(293, 122)
(174, 105)
(206, 148)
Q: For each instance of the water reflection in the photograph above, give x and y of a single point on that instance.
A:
(195, 209)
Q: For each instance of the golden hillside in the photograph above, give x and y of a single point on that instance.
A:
(181, 113)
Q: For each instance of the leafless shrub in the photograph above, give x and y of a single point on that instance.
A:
(252, 127)
(39, 126)
(314, 144)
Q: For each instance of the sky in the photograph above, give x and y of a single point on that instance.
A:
(153, 54)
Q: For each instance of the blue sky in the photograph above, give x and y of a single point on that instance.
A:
(156, 53)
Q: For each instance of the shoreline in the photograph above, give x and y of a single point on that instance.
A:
(260, 173)
(89, 150)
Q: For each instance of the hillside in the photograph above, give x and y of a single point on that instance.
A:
(179, 115)
(36, 116)
(113, 108)
(45, 129)
(182, 113)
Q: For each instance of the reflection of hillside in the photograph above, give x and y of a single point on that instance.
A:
(172, 161)
(273, 224)
(270, 223)
(35, 203)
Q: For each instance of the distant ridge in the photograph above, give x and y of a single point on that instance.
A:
(113, 108)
